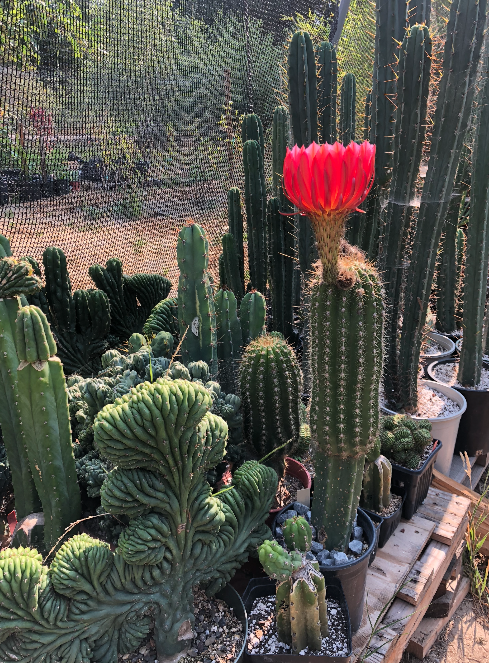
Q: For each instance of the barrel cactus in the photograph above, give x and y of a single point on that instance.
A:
(93, 604)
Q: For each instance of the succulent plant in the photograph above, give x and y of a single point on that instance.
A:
(377, 478)
(164, 317)
(256, 213)
(252, 315)
(229, 338)
(403, 440)
(235, 222)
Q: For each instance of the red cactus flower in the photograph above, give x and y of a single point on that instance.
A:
(327, 182)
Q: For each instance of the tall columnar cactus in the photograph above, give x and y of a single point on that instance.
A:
(80, 320)
(410, 129)
(465, 30)
(230, 259)
(477, 249)
(252, 315)
(270, 388)
(93, 604)
(196, 313)
(16, 280)
(301, 611)
(377, 478)
(132, 298)
(45, 423)
(235, 223)
(280, 142)
(281, 267)
(419, 11)
(256, 213)
(327, 91)
(347, 108)
(229, 339)
(252, 129)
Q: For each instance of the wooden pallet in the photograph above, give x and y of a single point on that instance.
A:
(417, 556)
(478, 465)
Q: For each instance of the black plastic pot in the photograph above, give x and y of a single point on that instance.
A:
(353, 576)
(261, 587)
(416, 483)
(473, 431)
(387, 525)
(231, 597)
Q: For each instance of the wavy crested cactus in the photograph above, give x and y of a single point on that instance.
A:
(229, 338)
(26, 497)
(196, 313)
(301, 611)
(45, 423)
(377, 478)
(93, 604)
(132, 298)
(252, 315)
(163, 317)
(271, 388)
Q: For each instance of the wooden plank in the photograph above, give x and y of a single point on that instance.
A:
(441, 606)
(418, 581)
(431, 627)
(388, 571)
(446, 510)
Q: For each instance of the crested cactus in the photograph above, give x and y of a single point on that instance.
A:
(327, 91)
(235, 223)
(232, 275)
(347, 109)
(465, 31)
(80, 320)
(196, 313)
(25, 493)
(252, 315)
(256, 213)
(229, 338)
(301, 611)
(132, 298)
(377, 478)
(477, 248)
(93, 604)
(163, 317)
(45, 423)
(271, 387)
(281, 267)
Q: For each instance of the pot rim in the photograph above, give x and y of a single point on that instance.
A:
(460, 390)
(457, 397)
(442, 340)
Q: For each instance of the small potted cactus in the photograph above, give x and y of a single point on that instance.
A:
(301, 608)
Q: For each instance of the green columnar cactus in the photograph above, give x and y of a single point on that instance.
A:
(377, 478)
(460, 242)
(281, 264)
(80, 320)
(235, 223)
(346, 361)
(252, 315)
(347, 109)
(196, 314)
(164, 317)
(280, 142)
(419, 11)
(465, 30)
(252, 129)
(93, 604)
(412, 101)
(301, 611)
(132, 298)
(256, 213)
(327, 91)
(25, 493)
(477, 249)
(297, 534)
(230, 256)
(45, 423)
(229, 339)
(271, 388)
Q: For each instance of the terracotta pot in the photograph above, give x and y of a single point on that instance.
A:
(297, 470)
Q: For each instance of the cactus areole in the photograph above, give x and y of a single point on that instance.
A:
(327, 182)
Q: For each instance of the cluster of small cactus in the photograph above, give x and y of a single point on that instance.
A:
(404, 440)
(301, 610)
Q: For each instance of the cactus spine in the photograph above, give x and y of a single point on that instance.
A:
(271, 387)
(462, 51)
(229, 339)
(377, 478)
(412, 100)
(252, 315)
(45, 423)
(256, 210)
(230, 257)
(196, 314)
(347, 109)
(327, 91)
(477, 249)
(235, 222)
(26, 497)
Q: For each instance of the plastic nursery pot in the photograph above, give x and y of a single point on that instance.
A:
(443, 341)
(445, 428)
(387, 525)
(473, 432)
(231, 597)
(353, 576)
(297, 470)
(262, 587)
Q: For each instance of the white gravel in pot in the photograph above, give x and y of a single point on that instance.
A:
(447, 373)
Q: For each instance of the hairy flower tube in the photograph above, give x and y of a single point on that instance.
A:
(327, 182)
